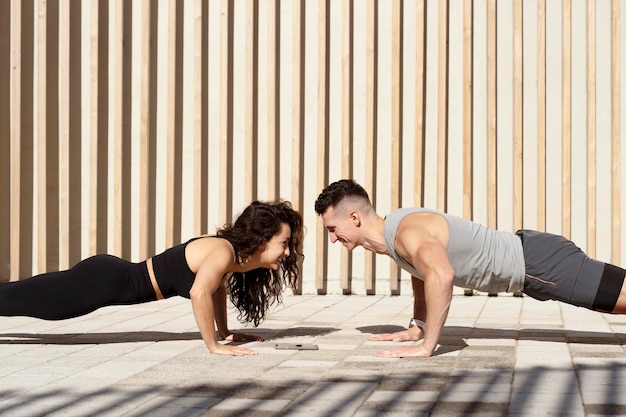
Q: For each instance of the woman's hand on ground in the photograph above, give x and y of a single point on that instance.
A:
(243, 337)
(232, 350)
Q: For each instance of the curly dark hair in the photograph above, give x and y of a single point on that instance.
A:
(336, 192)
(254, 292)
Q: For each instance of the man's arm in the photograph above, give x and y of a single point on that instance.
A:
(412, 334)
(419, 299)
(438, 283)
(428, 256)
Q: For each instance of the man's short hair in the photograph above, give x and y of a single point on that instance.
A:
(338, 191)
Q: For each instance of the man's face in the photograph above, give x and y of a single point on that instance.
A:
(341, 226)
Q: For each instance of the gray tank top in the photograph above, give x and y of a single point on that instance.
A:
(483, 259)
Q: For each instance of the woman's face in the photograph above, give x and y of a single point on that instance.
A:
(276, 248)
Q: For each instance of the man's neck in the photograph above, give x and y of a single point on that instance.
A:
(374, 239)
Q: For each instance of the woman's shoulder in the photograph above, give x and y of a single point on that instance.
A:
(201, 248)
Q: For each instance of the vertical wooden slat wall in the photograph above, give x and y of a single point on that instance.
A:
(346, 125)
(41, 60)
(396, 124)
(323, 94)
(130, 127)
(297, 153)
(616, 148)
(541, 115)
(64, 135)
(273, 100)
(442, 111)
(591, 127)
(566, 132)
(518, 174)
(369, 272)
(467, 109)
(492, 180)
(420, 87)
(7, 73)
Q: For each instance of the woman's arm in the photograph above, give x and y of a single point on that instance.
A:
(209, 280)
(219, 306)
(221, 318)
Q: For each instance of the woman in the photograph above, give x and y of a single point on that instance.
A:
(256, 256)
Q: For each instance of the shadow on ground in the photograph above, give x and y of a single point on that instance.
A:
(552, 335)
(416, 391)
(143, 336)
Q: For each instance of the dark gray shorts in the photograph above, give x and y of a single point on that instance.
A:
(556, 269)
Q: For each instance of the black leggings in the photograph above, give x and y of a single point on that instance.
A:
(99, 281)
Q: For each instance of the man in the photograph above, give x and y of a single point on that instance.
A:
(440, 250)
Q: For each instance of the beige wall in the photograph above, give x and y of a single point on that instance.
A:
(129, 126)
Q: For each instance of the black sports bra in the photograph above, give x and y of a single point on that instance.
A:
(172, 271)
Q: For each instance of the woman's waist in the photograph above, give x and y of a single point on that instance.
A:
(171, 274)
(153, 280)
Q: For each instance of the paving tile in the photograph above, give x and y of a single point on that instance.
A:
(307, 364)
(501, 356)
(404, 396)
(251, 404)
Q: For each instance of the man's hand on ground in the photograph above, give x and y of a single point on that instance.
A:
(410, 335)
(417, 351)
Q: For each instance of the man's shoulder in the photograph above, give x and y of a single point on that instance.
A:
(419, 226)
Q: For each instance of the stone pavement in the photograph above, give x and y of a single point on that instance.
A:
(499, 356)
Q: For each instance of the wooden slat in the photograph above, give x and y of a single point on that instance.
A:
(76, 142)
(41, 123)
(541, 115)
(171, 125)
(346, 126)
(125, 146)
(420, 65)
(370, 131)
(297, 161)
(591, 128)
(199, 163)
(273, 108)
(15, 128)
(116, 135)
(64, 135)
(93, 146)
(396, 125)
(396, 104)
(492, 196)
(616, 151)
(250, 100)
(518, 109)
(567, 119)
(5, 142)
(321, 239)
(298, 105)
(467, 109)
(225, 141)
(442, 109)
(144, 131)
